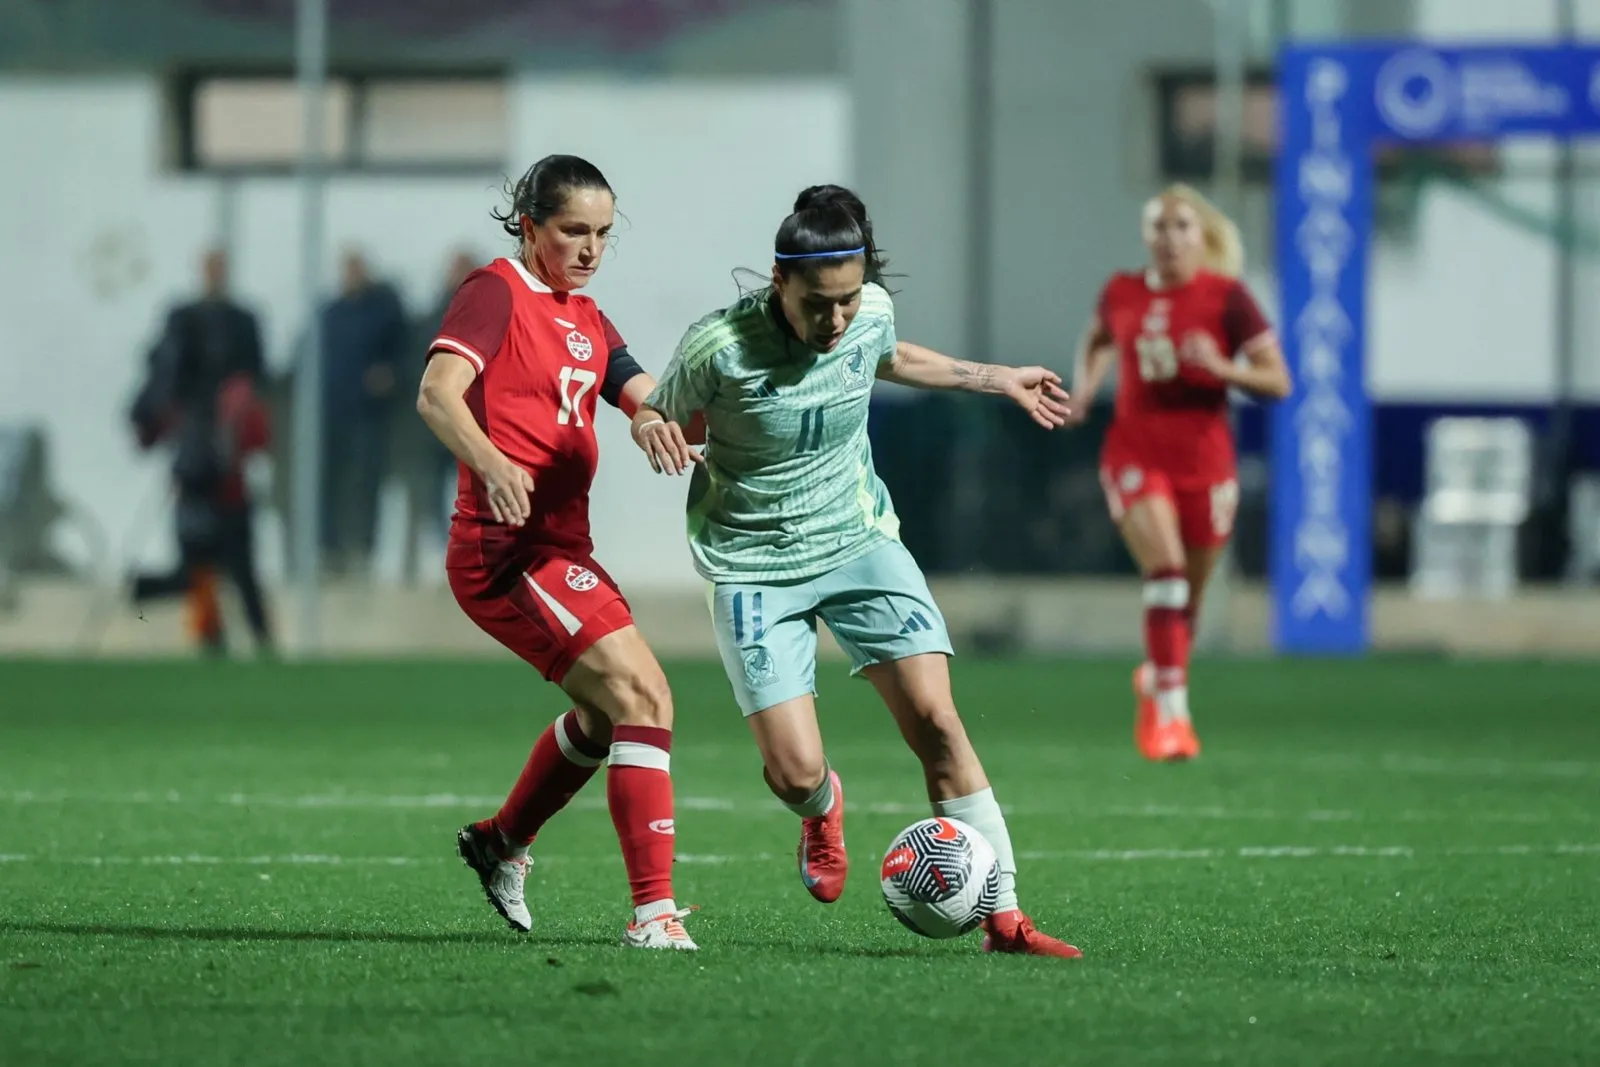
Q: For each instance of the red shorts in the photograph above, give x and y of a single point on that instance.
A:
(1205, 511)
(549, 614)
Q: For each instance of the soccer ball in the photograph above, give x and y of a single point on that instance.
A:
(941, 878)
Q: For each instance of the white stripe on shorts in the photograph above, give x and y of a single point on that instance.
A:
(566, 618)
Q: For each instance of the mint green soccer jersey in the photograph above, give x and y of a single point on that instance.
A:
(788, 490)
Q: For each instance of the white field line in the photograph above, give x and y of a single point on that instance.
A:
(315, 801)
(763, 807)
(1403, 763)
(1250, 852)
(1212, 813)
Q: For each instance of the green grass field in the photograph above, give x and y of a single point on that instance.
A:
(1390, 862)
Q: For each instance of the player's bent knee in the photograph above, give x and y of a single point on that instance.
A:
(595, 726)
(795, 776)
(1164, 563)
(642, 698)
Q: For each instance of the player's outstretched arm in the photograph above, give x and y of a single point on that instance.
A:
(441, 401)
(1096, 355)
(679, 400)
(665, 443)
(1035, 390)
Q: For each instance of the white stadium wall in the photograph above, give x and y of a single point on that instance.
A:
(99, 239)
(96, 241)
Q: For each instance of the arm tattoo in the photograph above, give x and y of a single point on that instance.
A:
(978, 377)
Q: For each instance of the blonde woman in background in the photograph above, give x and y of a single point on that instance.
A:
(1174, 330)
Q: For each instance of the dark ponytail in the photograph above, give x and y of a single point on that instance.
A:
(543, 191)
(827, 219)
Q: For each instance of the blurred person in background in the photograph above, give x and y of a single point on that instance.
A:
(511, 389)
(1168, 465)
(364, 334)
(201, 395)
(424, 463)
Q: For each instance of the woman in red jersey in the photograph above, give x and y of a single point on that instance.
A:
(1173, 331)
(511, 388)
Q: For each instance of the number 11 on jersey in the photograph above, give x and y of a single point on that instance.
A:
(575, 383)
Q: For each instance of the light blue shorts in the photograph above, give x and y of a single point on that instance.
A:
(877, 607)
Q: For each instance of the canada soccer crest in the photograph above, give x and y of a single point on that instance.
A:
(580, 346)
(1156, 319)
(581, 579)
(1132, 478)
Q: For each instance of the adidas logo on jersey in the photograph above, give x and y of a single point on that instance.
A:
(766, 390)
(915, 622)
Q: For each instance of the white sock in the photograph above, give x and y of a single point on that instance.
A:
(643, 913)
(1173, 703)
(980, 812)
(819, 803)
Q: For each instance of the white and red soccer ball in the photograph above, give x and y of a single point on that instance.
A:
(941, 878)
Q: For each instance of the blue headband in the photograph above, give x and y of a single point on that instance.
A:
(821, 255)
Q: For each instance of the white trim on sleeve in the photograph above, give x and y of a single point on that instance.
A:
(466, 352)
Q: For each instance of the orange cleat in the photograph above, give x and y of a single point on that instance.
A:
(1181, 741)
(1160, 742)
(1013, 932)
(823, 862)
(1148, 735)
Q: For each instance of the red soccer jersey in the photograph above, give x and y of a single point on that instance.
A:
(1171, 415)
(542, 358)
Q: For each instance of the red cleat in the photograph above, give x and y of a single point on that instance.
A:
(1012, 931)
(823, 862)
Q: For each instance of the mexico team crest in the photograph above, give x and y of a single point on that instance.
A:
(580, 346)
(759, 668)
(581, 579)
(855, 368)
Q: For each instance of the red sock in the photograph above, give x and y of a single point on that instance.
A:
(562, 762)
(1166, 627)
(639, 789)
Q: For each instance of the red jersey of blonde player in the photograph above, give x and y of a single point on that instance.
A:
(542, 359)
(1170, 433)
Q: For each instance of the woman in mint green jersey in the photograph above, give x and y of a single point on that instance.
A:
(790, 524)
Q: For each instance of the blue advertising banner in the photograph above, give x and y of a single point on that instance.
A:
(1337, 102)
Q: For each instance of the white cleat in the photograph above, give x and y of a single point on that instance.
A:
(502, 879)
(664, 931)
